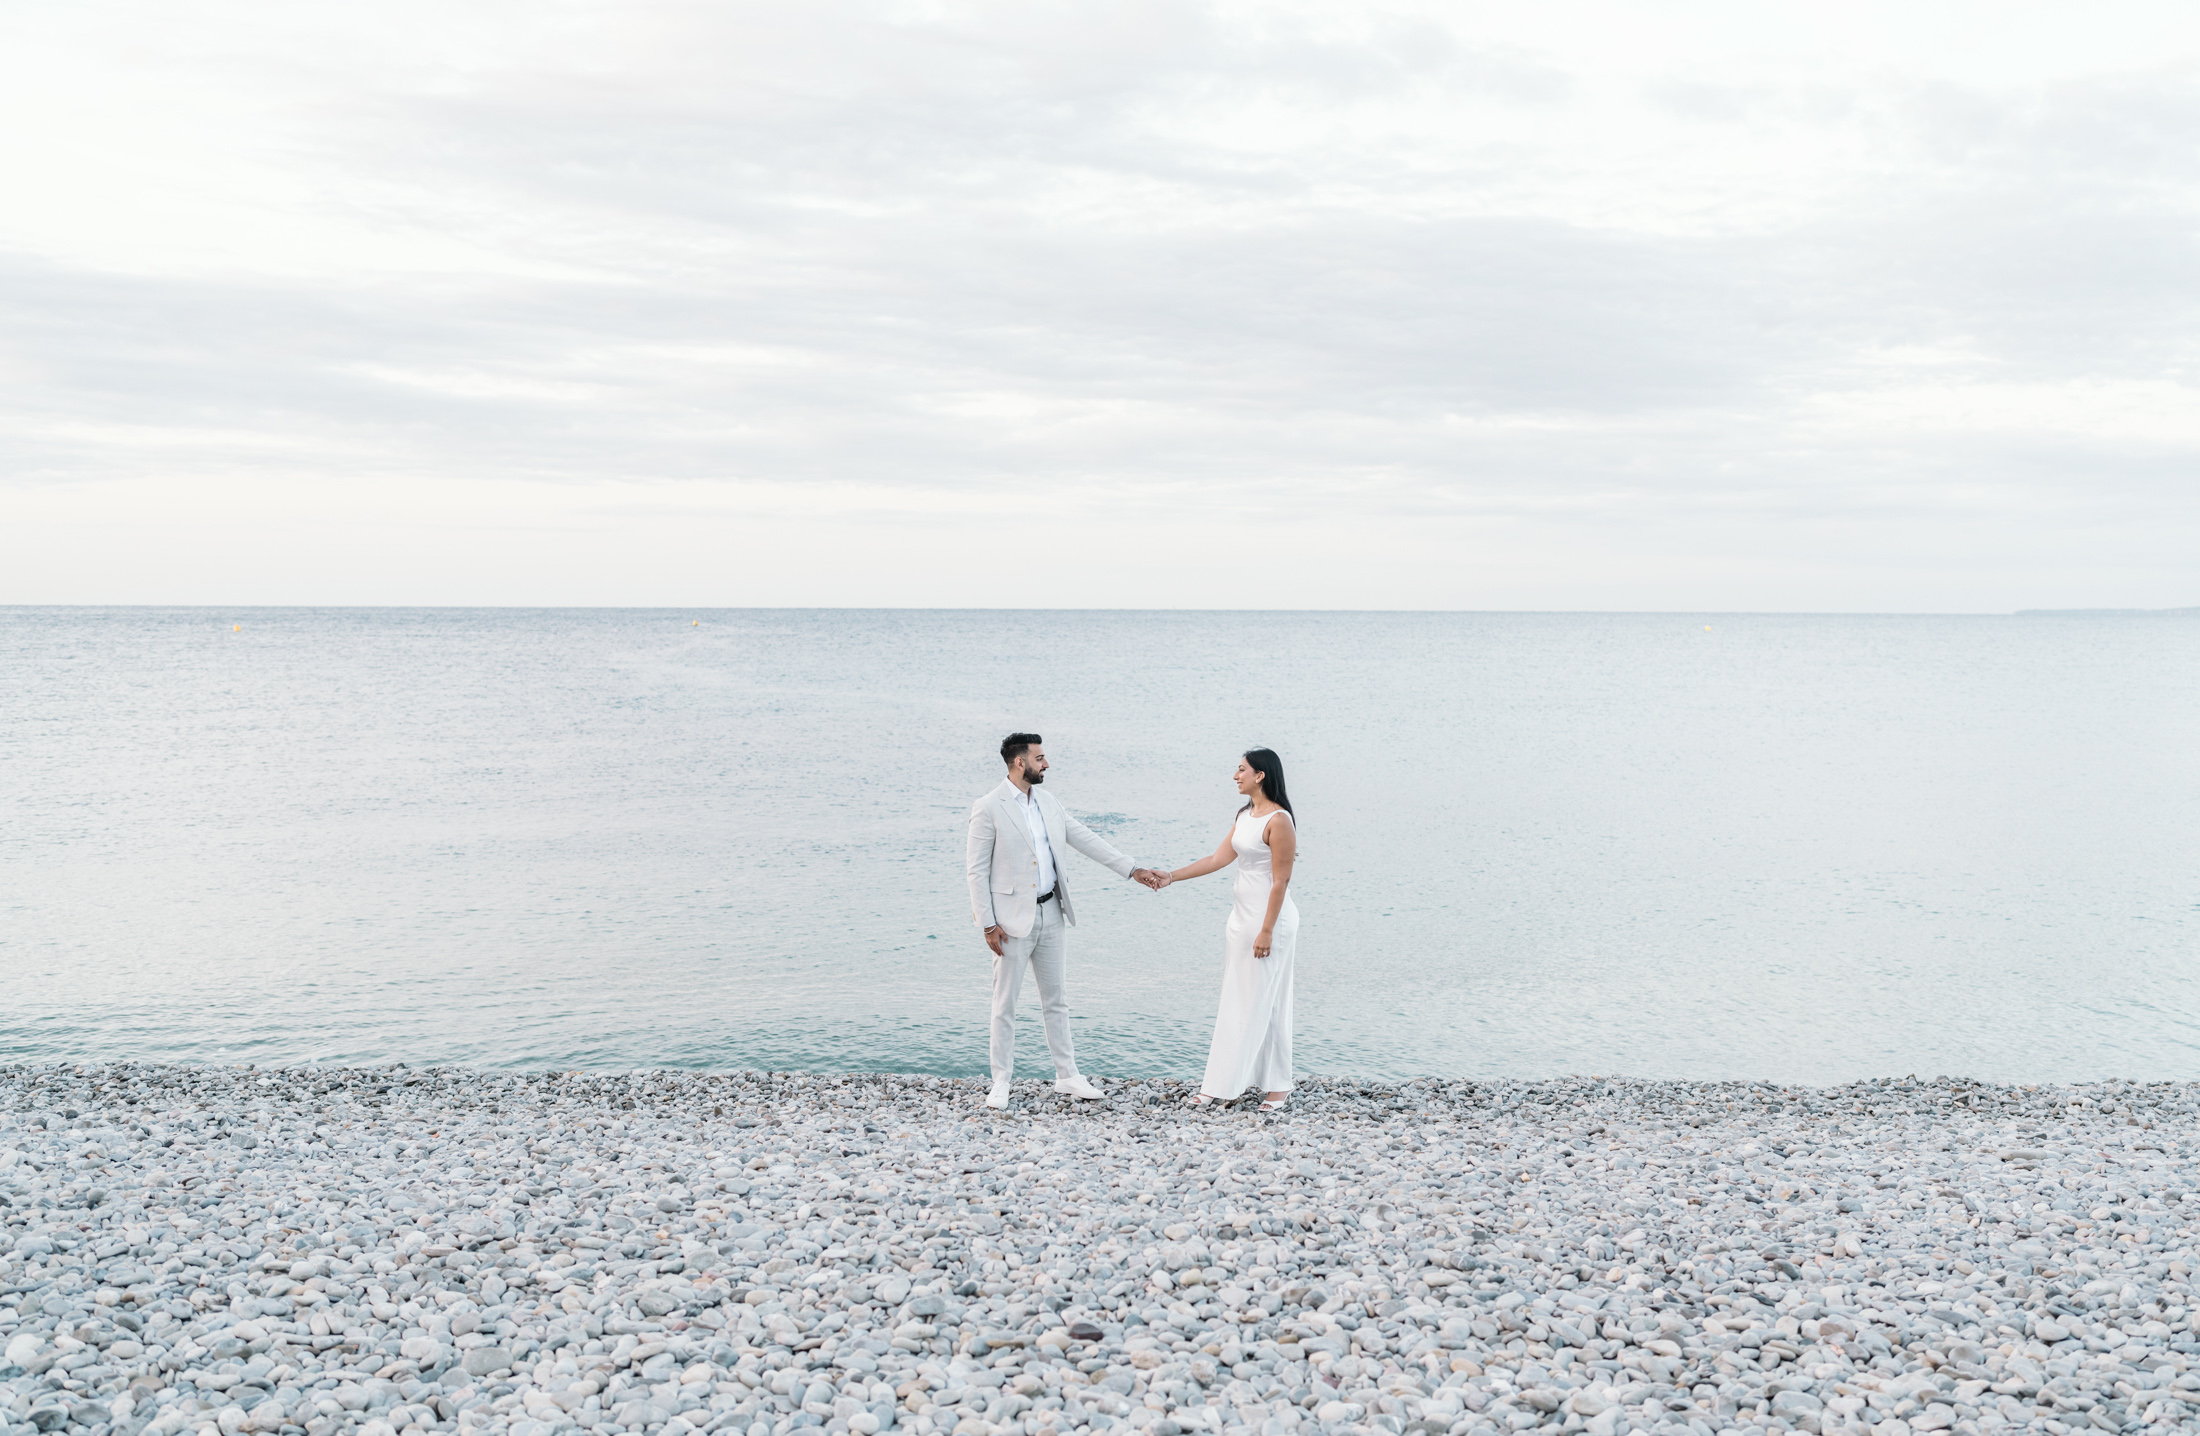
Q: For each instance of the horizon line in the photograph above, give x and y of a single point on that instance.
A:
(2178, 612)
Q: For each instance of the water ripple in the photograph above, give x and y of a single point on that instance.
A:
(1796, 848)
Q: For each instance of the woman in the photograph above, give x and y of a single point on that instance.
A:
(1252, 1045)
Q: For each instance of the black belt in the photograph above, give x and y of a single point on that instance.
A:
(1049, 895)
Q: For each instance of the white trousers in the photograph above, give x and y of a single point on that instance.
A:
(1044, 951)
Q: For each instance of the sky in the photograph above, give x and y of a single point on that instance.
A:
(1697, 306)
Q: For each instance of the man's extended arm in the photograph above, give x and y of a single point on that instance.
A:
(1093, 846)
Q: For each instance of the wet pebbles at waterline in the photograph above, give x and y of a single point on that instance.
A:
(200, 1249)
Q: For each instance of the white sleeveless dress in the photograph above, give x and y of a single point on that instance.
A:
(1252, 1046)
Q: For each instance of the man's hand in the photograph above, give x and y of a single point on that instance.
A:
(994, 937)
(1151, 877)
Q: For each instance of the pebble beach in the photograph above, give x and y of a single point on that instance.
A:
(312, 1252)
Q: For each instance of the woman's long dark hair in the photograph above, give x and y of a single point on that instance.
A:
(1265, 762)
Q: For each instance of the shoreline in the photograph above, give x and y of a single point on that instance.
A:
(386, 1250)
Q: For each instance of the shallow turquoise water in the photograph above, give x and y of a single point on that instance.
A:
(1806, 848)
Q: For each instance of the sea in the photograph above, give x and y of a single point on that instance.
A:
(1794, 849)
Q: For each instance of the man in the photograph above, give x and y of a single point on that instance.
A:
(1019, 899)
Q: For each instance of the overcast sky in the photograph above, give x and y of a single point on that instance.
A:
(1845, 306)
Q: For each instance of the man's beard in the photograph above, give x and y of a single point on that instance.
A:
(1035, 775)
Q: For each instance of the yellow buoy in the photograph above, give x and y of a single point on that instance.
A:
(236, 628)
(1707, 628)
(697, 624)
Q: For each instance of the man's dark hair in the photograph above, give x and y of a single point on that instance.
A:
(1014, 745)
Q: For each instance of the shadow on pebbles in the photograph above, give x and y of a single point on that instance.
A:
(378, 1251)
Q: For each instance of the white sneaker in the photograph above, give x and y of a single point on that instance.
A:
(998, 1097)
(1078, 1087)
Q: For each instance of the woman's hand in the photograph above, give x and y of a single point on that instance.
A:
(1264, 942)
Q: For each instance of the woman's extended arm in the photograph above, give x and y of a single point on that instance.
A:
(1214, 862)
(1283, 851)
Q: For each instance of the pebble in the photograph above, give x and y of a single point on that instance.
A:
(384, 1252)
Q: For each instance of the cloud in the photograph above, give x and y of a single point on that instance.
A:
(1562, 325)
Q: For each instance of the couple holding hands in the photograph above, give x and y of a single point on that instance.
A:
(1019, 897)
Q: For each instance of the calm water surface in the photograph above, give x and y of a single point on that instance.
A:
(1800, 848)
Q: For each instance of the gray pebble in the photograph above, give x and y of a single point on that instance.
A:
(375, 1252)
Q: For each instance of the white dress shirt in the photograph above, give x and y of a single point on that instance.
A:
(1035, 823)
